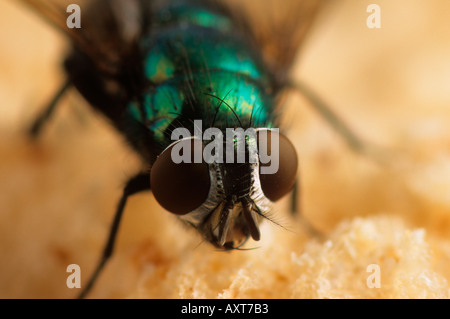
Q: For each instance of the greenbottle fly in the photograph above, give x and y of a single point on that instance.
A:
(152, 67)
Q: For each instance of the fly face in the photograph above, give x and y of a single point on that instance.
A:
(226, 201)
(235, 206)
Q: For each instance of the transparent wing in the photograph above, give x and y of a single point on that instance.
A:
(277, 27)
(107, 26)
(53, 11)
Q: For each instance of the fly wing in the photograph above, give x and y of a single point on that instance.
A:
(277, 27)
(108, 27)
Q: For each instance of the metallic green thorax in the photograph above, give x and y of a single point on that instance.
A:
(200, 68)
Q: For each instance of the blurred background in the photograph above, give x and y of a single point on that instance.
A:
(57, 195)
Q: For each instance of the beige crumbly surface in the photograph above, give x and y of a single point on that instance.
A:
(57, 196)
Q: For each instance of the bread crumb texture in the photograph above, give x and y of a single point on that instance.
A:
(376, 257)
(373, 225)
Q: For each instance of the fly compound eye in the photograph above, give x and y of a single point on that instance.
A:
(275, 148)
(178, 183)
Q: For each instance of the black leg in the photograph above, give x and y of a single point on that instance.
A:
(37, 126)
(137, 184)
(353, 141)
(296, 211)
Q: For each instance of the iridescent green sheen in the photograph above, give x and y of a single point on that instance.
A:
(199, 69)
(197, 50)
(182, 13)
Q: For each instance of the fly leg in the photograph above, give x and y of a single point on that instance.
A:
(297, 212)
(36, 127)
(352, 140)
(137, 184)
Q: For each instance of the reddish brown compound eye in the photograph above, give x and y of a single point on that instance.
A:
(180, 188)
(280, 181)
